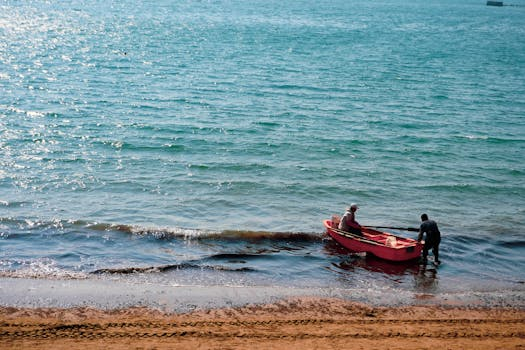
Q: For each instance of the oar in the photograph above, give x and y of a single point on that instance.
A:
(413, 229)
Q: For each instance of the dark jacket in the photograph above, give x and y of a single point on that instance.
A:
(431, 229)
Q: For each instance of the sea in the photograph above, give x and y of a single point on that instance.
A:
(196, 146)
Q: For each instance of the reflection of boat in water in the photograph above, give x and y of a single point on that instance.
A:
(381, 244)
(370, 262)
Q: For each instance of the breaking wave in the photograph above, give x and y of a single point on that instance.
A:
(166, 268)
(26, 226)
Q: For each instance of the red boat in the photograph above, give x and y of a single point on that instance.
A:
(381, 244)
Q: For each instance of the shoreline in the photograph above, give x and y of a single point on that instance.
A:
(112, 294)
(128, 314)
(291, 323)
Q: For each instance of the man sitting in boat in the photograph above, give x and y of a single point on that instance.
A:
(348, 222)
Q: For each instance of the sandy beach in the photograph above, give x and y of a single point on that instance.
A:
(296, 323)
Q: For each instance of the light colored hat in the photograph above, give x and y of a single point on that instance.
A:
(352, 206)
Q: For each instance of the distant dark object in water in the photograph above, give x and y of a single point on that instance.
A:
(494, 3)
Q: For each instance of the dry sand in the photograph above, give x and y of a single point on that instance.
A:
(299, 323)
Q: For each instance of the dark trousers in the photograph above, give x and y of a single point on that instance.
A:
(434, 245)
(355, 231)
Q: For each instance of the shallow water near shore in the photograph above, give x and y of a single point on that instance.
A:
(115, 266)
(198, 144)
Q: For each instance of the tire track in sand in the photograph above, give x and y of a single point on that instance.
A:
(271, 329)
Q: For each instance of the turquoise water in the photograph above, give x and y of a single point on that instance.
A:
(215, 136)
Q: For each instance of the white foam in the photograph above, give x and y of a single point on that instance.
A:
(42, 269)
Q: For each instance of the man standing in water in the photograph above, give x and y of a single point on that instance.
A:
(348, 222)
(432, 239)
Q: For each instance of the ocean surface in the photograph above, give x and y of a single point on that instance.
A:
(202, 143)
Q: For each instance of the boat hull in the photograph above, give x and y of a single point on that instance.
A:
(381, 244)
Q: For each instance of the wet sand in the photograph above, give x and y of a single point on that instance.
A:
(296, 323)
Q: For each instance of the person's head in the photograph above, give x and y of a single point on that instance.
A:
(424, 217)
(353, 207)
